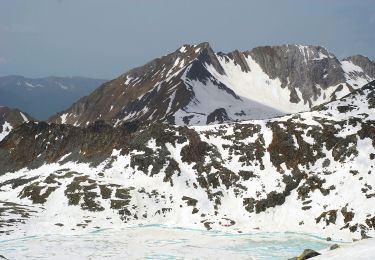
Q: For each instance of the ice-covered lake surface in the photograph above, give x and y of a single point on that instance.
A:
(157, 242)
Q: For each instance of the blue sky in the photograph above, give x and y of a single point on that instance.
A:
(104, 38)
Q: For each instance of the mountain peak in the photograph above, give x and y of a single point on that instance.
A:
(193, 85)
(195, 47)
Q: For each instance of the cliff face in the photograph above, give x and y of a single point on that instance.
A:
(308, 69)
(306, 172)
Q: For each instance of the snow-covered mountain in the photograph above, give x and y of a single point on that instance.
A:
(305, 172)
(196, 86)
(43, 97)
(11, 118)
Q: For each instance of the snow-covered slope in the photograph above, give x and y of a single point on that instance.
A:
(361, 250)
(11, 118)
(306, 172)
(196, 86)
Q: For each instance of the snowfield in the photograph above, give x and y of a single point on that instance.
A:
(157, 242)
(362, 250)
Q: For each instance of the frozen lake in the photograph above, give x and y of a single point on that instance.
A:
(156, 242)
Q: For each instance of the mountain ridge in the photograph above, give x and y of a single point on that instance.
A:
(265, 82)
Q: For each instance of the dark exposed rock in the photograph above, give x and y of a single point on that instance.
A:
(217, 116)
(34, 193)
(277, 64)
(273, 198)
(371, 222)
(246, 175)
(348, 215)
(334, 246)
(311, 184)
(328, 216)
(195, 150)
(308, 253)
(190, 201)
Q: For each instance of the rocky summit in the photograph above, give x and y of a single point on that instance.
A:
(308, 172)
(196, 86)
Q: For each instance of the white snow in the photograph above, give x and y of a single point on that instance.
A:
(182, 49)
(24, 117)
(304, 51)
(348, 66)
(128, 80)
(64, 157)
(29, 85)
(6, 130)
(257, 86)
(354, 74)
(321, 56)
(62, 86)
(158, 242)
(361, 250)
(63, 118)
(208, 97)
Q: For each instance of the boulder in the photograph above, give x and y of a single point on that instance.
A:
(308, 253)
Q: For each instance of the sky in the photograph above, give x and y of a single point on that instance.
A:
(105, 38)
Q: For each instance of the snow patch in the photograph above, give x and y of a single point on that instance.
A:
(182, 49)
(24, 117)
(63, 118)
(6, 130)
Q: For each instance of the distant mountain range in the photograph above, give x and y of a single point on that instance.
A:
(44, 97)
(196, 86)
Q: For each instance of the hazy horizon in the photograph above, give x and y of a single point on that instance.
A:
(103, 39)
